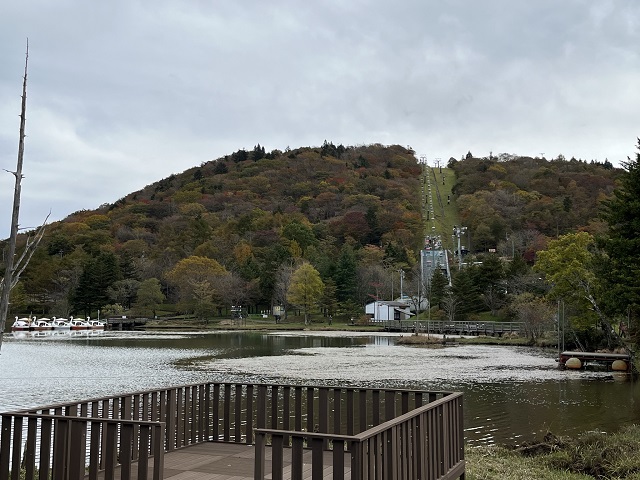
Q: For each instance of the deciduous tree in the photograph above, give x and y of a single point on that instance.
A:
(535, 313)
(306, 289)
(148, 296)
(190, 273)
(568, 264)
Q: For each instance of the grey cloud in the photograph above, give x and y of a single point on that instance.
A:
(124, 93)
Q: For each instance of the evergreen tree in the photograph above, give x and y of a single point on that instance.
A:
(489, 273)
(258, 153)
(621, 273)
(372, 220)
(438, 287)
(328, 301)
(465, 292)
(97, 276)
(345, 275)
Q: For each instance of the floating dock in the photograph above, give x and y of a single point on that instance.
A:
(614, 361)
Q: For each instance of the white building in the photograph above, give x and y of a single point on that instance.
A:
(381, 310)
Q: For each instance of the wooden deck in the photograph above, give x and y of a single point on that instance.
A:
(262, 431)
(231, 461)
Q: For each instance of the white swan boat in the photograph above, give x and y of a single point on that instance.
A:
(61, 324)
(79, 324)
(41, 324)
(96, 324)
(21, 324)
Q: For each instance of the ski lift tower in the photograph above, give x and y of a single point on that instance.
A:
(457, 233)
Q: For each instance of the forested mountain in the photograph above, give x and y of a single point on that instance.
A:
(250, 212)
(231, 230)
(519, 202)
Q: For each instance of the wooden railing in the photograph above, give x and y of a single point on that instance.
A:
(454, 328)
(380, 428)
(55, 446)
(424, 443)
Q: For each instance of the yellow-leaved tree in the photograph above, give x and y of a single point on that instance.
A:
(306, 288)
(198, 280)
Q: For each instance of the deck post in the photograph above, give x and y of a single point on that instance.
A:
(5, 439)
(258, 470)
(17, 446)
(77, 443)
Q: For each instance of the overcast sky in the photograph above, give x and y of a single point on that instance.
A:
(123, 93)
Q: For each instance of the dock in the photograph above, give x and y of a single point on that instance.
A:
(125, 323)
(611, 360)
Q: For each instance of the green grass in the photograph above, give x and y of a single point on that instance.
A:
(499, 463)
(591, 455)
(446, 215)
(256, 322)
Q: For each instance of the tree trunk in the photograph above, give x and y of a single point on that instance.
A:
(9, 263)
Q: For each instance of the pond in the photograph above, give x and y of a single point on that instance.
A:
(511, 394)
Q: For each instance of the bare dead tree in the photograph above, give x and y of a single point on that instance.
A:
(13, 268)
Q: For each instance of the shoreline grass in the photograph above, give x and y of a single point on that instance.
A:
(592, 455)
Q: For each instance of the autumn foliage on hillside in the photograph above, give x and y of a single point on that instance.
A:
(250, 211)
(248, 219)
(519, 202)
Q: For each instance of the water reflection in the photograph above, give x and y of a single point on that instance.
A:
(511, 393)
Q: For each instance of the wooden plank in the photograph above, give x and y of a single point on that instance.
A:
(237, 422)
(259, 459)
(249, 427)
(60, 448)
(78, 445)
(94, 450)
(226, 416)
(215, 407)
(16, 459)
(338, 460)
(45, 447)
(297, 451)
(317, 447)
(158, 452)
(337, 411)
(310, 401)
(143, 452)
(286, 412)
(277, 463)
(30, 448)
(126, 446)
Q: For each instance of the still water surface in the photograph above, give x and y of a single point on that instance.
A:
(511, 394)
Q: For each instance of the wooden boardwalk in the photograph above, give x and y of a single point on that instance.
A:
(232, 461)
